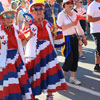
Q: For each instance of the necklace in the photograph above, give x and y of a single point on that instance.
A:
(68, 13)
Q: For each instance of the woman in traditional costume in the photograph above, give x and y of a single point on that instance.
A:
(14, 81)
(41, 59)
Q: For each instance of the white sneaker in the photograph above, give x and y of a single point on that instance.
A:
(75, 81)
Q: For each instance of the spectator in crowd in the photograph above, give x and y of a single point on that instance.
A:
(14, 5)
(89, 2)
(21, 10)
(52, 8)
(5, 4)
(93, 16)
(81, 11)
(67, 20)
(84, 4)
(88, 24)
(41, 59)
(1, 9)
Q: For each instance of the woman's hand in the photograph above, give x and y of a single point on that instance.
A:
(26, 24)
(84, 40)
(74, 23)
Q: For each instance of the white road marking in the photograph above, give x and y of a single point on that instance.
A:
(84, 89)
(94, 78)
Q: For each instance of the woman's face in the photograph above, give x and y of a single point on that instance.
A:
(79, 3)
(38, 12)
(69, 5)
(8, 18)
(51, 2)
(24, 2)
(14, 6)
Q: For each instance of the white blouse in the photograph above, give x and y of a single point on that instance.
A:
(64, 19)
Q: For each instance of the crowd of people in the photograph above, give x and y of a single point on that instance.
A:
(28, 56)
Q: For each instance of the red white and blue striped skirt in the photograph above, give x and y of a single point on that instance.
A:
(14, 81)
(44, 71)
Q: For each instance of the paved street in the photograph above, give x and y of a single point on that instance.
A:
(90, 88)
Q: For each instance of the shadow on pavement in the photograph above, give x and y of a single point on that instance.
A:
(89, 54)
(89, 81)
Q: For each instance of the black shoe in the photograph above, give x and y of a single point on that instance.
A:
(97, 69)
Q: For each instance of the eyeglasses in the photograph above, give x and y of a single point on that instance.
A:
(9, 16)
(37, 9)
(68, 3)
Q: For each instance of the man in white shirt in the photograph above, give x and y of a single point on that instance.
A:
(93, 16)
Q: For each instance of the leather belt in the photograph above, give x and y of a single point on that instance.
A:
(74, 35)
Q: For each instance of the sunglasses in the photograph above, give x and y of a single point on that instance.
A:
(80, 2)
(38, 9)
(9, 16)
(68, 3)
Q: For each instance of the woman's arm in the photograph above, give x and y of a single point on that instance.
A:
(84, 39)
(64, 27)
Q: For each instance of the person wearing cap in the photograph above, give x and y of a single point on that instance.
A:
(41, 59)
(69, 22)
(14, 81)
(21, 10)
